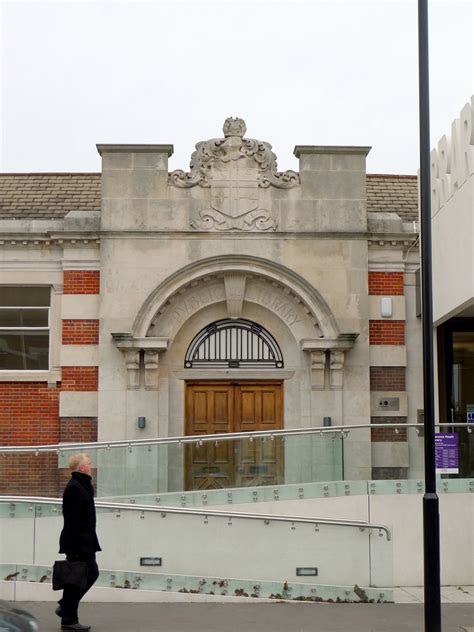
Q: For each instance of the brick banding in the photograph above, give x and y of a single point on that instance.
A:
(388, 434)
(387, 378)
(80, 332)
(386, 332)
(81, 282)
(79, 378)
(386, 283)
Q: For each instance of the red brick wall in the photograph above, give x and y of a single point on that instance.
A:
(80, 332)
(29, 475)
(387, 378)
(386, 283)
(386, 332)
(79, 378)
(81, 282)
(388, 434)
(78, 429)
(29, 415)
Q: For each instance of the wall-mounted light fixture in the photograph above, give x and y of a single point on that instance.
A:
(386, 308)
(327, 421)
(141, 422)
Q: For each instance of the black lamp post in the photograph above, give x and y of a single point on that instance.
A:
(431, 552)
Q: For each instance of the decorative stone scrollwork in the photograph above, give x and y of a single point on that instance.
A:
(226, 149)
(267, 162)
(234, 169)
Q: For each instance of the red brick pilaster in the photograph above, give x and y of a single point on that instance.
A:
(81, 282)
(80, 332)
(79, 378)
(387, 378)
(386, 332)
(388, 434)
(386, 283)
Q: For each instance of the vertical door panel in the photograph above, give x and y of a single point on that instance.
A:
(209, 466)
(259, 406)
(223, 407)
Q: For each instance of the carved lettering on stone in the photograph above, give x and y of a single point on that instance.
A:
(287, 310)
(196, 301)
(234, 168)
(234, 284)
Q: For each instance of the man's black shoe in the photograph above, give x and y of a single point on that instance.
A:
(58, 612)
(75, 626)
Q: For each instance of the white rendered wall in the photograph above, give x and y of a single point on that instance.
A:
(453, 254)
(250, 549)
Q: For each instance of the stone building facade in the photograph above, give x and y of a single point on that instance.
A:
(229, 297)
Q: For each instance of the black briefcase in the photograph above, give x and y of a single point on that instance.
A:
(69, 574)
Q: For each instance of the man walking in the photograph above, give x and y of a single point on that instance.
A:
(78, 538)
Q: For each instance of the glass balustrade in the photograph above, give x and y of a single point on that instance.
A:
(240, 469)
(220, 553)
(221, 464)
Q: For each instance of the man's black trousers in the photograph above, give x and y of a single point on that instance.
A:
(73, 595)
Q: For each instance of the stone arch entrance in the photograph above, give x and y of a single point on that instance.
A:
(233, 287)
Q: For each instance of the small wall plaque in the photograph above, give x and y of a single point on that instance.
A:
(307, 571)
(150, 561)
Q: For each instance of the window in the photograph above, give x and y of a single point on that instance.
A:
(24, 328)
(233, 344)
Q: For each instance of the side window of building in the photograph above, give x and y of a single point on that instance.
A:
(24, 328)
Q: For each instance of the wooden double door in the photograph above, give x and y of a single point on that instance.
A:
(222, 407)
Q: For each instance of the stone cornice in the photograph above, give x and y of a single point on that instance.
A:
(136, 149)
(301, 150)
(127, 341)
(343, 342)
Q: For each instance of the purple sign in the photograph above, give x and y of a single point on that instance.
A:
(447, 453)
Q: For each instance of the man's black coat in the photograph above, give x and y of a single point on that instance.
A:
(78, 534)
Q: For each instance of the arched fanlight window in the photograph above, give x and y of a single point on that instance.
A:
(234, 344)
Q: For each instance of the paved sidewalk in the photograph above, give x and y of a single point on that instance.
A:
(274, 617)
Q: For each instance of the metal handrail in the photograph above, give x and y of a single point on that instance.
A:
(227, 436)
(360, 524)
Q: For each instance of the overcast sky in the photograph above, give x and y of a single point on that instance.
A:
(74, 74)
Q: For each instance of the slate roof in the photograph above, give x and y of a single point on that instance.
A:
(52, 195)
(47, 195)
(393, 194)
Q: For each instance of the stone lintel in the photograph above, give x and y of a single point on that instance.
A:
(136, 149)
(301, 150)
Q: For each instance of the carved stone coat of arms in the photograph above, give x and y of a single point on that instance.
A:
(234, 168)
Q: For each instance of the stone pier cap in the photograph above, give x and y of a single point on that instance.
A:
(135, 149)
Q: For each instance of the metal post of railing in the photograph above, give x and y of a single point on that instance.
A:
(431, 546)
